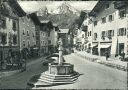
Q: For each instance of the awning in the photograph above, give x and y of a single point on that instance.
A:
(104, 46)
(35, 48)
(95, 45)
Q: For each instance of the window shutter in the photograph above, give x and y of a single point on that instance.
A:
(117, 32)
(124, 31)
(113, 33)
(112, 17)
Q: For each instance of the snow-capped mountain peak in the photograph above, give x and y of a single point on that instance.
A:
(65, 8)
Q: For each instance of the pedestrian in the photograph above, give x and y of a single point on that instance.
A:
(107, 55)
(23, 64)
(123, 55)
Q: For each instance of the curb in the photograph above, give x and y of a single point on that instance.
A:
(117, 66)
(9, 73)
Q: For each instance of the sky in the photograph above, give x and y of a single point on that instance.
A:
(32, 6)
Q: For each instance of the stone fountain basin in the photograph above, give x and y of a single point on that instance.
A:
(64, 69)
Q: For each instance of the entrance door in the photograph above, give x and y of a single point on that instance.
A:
(121, 48)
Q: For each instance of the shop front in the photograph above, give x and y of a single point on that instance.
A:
(103, 49)
(95, 49)
(9, 58)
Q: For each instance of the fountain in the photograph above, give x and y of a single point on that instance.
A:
(58, 73)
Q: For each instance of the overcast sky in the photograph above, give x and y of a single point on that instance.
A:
(31, 6)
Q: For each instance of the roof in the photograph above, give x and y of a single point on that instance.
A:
(15, 6)
(63, 30)
(97, 7)
(35, 19)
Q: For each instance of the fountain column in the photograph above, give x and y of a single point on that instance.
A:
(60, 52)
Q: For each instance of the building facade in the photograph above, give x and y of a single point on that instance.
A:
(8, 31)
(53, 39)
(110, 23)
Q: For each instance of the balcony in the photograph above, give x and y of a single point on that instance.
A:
(120, 4)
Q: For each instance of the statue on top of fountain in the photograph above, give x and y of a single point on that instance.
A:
(60, 51)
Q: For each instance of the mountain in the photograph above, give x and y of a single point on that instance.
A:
(65, 8)
(64, 16)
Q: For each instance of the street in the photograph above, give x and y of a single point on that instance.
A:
(94, 76)
(19, 81)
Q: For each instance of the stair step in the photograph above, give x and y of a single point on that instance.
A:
(57, 77)
(57, 80)
(51, 75)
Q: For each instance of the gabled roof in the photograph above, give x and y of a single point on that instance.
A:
(35, 19)
(98, 6)
(63, 30)
(16, 7)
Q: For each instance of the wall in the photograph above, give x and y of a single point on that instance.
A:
(27, 32)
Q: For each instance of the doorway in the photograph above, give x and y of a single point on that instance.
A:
(121, 48)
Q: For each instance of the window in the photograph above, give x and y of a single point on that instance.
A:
(33, 35)
(90, 33)
(23, 31)
(122, 13)
(104, 20)
(95, 23)
(43, 34)
(24, 43)
(127, 33)
(95, 36)
(14, 39)
(28, 43)
(3, 23)
(27, 33)
(127, 49)
(110, 34)
(4, 38)
(110, 18)
(107, 6)
(82, 35)
(48, 34)
(14, 25)
(43, 42)
(49, 41)
(122, 32)
(103, 35)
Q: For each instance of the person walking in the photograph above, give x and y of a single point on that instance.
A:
(107, 55)
(123, 55)
(23, 64)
